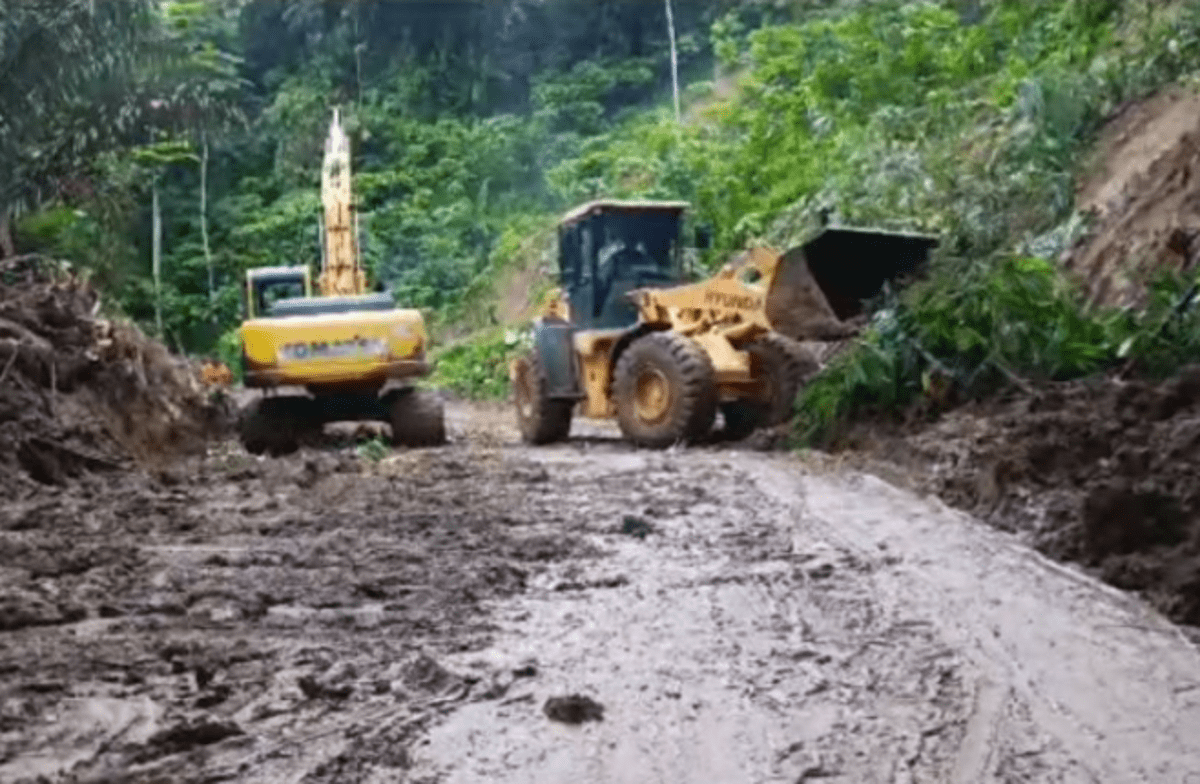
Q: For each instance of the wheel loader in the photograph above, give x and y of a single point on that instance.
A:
(345, 353)
(623, 336)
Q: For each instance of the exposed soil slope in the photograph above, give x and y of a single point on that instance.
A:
(1144, 196)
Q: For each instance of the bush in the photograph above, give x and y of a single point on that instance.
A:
(975, 330)
(477, 368)
(229, 352)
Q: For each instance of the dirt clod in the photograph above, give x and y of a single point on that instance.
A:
(202, 731)
(573, 709)
(636, 527)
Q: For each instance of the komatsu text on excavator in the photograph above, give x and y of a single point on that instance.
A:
(346, 353)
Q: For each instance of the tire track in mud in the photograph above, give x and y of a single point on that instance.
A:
(1074, 680)
(253, 620)
(740, 618)
(780, 625)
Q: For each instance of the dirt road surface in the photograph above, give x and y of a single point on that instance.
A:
(722, 615)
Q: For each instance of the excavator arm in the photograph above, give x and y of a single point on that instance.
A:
(342, 274)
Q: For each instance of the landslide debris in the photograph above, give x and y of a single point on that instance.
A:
(80, 393)
(255, 620)
(1105, 473)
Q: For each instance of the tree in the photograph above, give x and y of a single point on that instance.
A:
(202, 91)
(67, 70)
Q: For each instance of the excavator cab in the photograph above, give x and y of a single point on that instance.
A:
(266, 286)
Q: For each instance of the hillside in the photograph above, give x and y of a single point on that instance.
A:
(980, 128)
(975, 121)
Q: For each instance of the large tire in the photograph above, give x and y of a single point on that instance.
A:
(780, 366)
(742, 417)
(665, 391)
(275, 425)
(418, 419)
(542, 420)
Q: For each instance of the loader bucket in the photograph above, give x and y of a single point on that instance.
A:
(828, 279)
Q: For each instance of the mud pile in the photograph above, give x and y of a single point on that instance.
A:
(79, 393)
(1144, 198)
(1103, 473)
(237, 619)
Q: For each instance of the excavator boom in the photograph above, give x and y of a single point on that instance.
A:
(342, 274)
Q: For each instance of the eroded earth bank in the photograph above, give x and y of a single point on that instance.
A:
(724, 615)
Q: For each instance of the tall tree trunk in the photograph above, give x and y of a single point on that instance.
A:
(208, 261)
(156, 256)
(674, 58)
(7, 246)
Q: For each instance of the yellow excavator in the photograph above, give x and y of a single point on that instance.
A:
(347, 354)
(625, 336)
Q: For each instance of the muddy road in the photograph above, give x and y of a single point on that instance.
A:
(712, 614)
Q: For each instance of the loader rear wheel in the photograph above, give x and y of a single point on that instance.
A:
(418, 419)
(543, 420)
(664, 390)
(275, 425)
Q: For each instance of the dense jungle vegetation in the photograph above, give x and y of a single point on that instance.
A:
(475, 123)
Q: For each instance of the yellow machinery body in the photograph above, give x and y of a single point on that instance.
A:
(345, 346)
(723, 315)
(345, 337)
(362, 349)
(624, 338)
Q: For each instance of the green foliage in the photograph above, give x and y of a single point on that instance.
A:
(477, 368)
(474, 124)
(898, 114)
(974, 330)
(229, 353)
(67, 88)
(373, 450)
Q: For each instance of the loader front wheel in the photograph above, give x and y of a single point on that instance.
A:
(664, 390)
(779, 367)
(543, 420)
(418, 419)
(741, 419)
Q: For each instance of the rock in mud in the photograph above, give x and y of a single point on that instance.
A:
(573, 709)
(336, 683)
(636, 527)
(425, 675)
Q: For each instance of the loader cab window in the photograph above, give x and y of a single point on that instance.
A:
(606, 255)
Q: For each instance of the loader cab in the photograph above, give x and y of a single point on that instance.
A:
(267, 285)
(608, 248)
